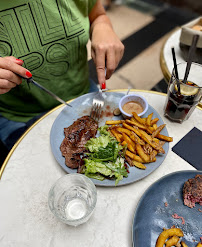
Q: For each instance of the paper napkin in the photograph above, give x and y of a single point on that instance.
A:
(189, 148)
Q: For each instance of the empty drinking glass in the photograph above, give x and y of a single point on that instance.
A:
(72, 199)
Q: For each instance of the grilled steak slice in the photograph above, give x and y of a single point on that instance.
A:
(192, 191)
(76, 136)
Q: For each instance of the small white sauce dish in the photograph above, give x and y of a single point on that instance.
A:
(133, 97)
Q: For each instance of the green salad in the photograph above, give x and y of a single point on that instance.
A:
(105, 157)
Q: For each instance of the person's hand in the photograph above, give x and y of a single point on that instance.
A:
(10, 68)
(106, 50)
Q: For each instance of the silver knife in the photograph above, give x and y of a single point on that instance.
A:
(30, 80)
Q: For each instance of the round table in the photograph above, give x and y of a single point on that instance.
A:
(30, 170)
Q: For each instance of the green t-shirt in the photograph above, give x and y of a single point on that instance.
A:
(50, 36)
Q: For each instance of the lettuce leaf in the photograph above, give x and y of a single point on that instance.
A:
(94, 144)
(104, 157)
(94, 169)
(108, 153)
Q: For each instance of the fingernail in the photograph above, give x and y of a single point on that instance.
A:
(28, 74)
(19, 60)
(103, 85)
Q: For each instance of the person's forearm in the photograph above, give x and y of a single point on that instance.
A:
(101, 19)
(106, 48)
(98, 15)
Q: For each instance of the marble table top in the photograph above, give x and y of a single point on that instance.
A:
(30, 170)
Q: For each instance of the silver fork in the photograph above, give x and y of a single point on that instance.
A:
(98, 103)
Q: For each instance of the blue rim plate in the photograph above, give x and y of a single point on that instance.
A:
(81, 106)
(151, 214)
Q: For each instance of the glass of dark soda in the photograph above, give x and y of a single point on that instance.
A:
(183, 97)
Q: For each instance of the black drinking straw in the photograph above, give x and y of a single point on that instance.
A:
(190, 56)
(175, 68)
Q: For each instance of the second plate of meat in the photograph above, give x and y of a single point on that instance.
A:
(77, 118)
(170, 201)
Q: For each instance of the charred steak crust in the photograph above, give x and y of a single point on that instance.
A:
(192, 191)
(76, 136)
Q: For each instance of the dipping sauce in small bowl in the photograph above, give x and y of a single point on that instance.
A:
(133, 103)
(132, 106)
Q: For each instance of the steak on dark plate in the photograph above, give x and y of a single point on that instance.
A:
(192, 191)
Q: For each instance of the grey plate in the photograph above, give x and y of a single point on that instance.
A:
(82, 106)
(152, 216)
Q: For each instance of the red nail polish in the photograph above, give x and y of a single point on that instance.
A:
(19, 60)
(28, 74)
(103, 85)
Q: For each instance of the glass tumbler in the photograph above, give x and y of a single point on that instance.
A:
(182, 98)
(72, 199)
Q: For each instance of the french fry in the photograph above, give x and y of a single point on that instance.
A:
(124, 143)
(151, 128)
(150, 131)
(113, 122)
(131, 148)
(148, 139)
(147, 149)
(127, 126)
(167, 234)
(129, 145)
(128, 139)
(139, 119)
(165, 138)
(144, 120)
(183, 244)
(135, 129)
(135, 163)
(155, 145)
(172, 241)
(138, 165)
(151, 153)
(154, 160)
(123, 130)
(136, 138)
(154, 121)
(161, 143)
(148, 121)
(117, 136)
(141, 153)
(134, 157)
(158, 130)
(139, 125)
(156, 140)
(152, 156)
(129, 121)
(143, 133)
(155, 126)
